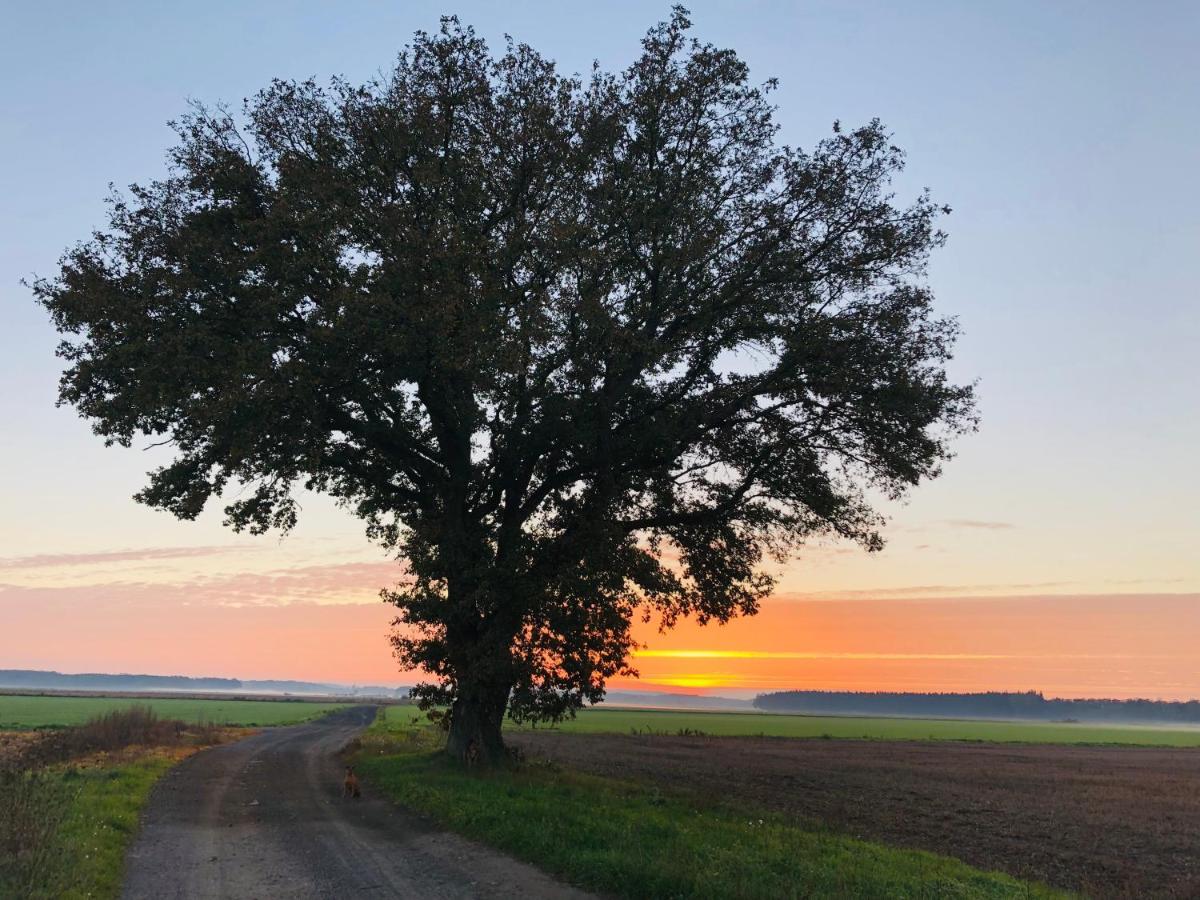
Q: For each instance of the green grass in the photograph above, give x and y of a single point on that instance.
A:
(101, 823)
(631, 841)
(96, 810)
(23, 711)
(623, 721)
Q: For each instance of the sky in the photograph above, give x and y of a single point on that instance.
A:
(1060, 550)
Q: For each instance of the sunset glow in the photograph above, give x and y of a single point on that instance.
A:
(1056, 552)
(760, 654)
(698, 450)
(308, 608)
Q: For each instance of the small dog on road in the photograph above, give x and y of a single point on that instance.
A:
(350, 785)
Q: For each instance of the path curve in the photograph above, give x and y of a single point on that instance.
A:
(264, 818)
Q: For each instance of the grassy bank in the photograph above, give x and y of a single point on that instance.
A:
(95, 811)
(101, 822)
(26, 711)
(623, 721)
(70, 797)
(628, 841)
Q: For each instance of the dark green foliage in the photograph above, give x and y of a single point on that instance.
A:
(575, 349)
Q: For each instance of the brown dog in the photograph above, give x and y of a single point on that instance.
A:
(350, 785)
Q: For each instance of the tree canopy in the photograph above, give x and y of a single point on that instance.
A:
(577, 349)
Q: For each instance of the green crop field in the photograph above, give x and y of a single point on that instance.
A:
(624, 721)
(24, 711)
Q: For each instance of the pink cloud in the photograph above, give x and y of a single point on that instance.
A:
(50, 560)
(332, 583)
(979, 523)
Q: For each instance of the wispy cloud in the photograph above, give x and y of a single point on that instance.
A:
(1140, 581)
(53, 560)
(337, 583)
(927, 590)
(980, 523)
(830, 655)
(767, 654)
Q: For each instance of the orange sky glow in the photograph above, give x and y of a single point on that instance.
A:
(210, 611)
(1056, 552)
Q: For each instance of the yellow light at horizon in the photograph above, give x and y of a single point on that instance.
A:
(693, 681)
(768, 654)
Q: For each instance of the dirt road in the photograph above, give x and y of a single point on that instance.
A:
(264, 818)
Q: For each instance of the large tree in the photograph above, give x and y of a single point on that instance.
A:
(577, 350)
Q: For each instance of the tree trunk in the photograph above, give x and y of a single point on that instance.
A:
(475, 720)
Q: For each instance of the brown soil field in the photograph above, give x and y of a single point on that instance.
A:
(1105, 821)
(14, 745)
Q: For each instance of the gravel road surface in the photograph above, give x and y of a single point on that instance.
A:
(264, 818)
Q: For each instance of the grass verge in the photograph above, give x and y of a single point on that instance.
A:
(102, 821)
(70, 798)
(97, 810)
(629, 841)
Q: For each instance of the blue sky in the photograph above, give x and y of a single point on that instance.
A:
(1063, 134)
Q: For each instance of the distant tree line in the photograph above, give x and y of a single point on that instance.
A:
(35, 680)
(987, 705)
